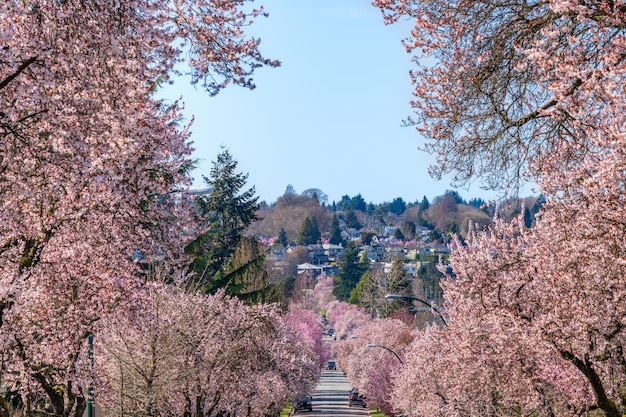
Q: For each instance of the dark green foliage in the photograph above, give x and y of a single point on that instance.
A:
(282, 237)
(352, 221)
(344, 203)
(454, 228)
(368, 292)
(355, 203)
(528, 220)
(335, 231)
(477, 202)
(434, 235)
(424, 205)
(367, 237)
(408, 229)
(541, 200)
(398, 234)
(309, 232)
(350, 270)
(397, 283)
(397, 206)
(457, 197)
(430, 276)
(227, 211)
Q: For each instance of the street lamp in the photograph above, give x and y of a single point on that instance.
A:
(373, 345)
(391, 297)
(90, 410)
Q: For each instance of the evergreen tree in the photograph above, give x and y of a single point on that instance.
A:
(282, 237)
(367, 237)
(397, 206)
(247, 263)
(352, 221)
(309, 232)
(369, 292)
(476, 202)
(350, 270)
(228, 211)
(344, 203)
(424, 204)
(398, 234)
(408, 229)
(358, 203)
(397, 283)
(335, 231)
(528, 219)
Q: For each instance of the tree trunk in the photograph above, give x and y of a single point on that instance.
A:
(586, 367)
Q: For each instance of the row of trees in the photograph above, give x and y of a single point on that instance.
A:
(94, 220)
(190, 354)
(295, 217)
(507, 91)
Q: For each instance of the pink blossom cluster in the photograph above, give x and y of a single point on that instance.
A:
(181, 353)
(535, 317)
(92, 168)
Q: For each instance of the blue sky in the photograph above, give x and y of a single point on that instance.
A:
(329, 118)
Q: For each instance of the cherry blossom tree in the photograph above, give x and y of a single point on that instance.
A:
(372, 369)
(90, 164)
(504, 89)
(323, 291)
(503, 86)
(199, 355)
(346, 317)
(307, 325)
(540, 307)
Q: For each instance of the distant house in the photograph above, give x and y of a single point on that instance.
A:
(411, 269)
(330, 270)
(389, 230)
(309, 270)
(440, 248)
(372, 253)
(425, 250)
(350, 234)
(332, 251)
(423, 233)
(395, 251)
(278, 252)
(317, 254)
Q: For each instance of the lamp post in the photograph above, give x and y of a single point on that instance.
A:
(391, 297)
(90, 410)
(373, 345)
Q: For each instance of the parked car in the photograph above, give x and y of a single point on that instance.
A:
(356, 399)
(331, 365)
(302, 402)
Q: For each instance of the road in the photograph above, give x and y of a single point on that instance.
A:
(330, 398)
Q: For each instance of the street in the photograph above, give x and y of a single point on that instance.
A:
(330, 398)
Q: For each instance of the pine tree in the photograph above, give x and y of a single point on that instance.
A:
(335, 232)
(282, 237)
(350, 270)
(309, 232)
(352, 221)
(397, 283)
(228, 211)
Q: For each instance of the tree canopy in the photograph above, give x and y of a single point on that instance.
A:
(227, 211)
